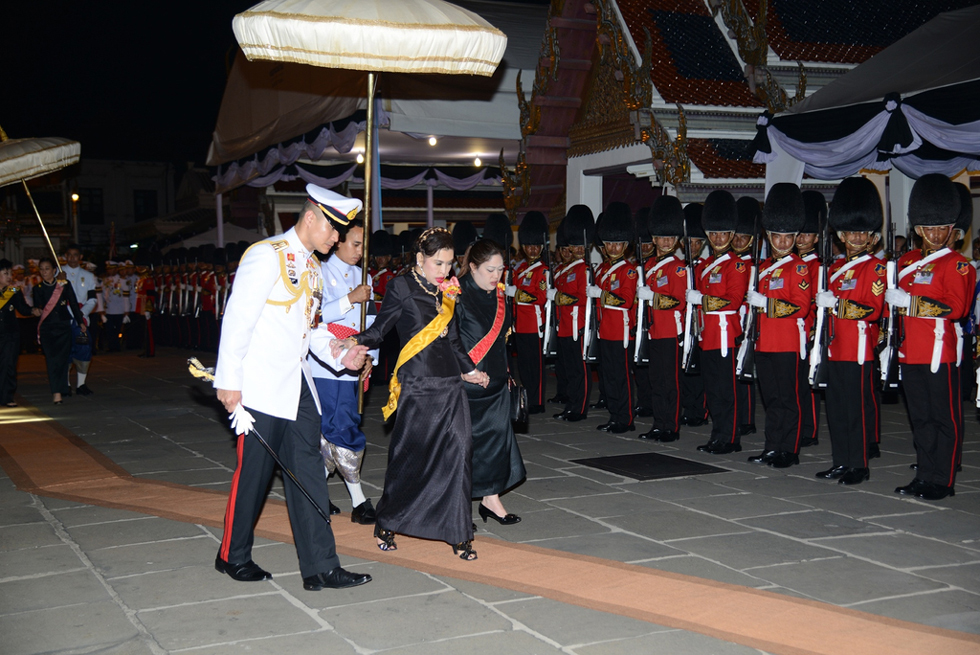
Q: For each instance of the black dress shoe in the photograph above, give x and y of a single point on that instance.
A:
(338, 578)
(616, 428)
(334, 509)
(693, 421)
(599, 405)
(571, 417)
(931, 491)
(724, 448)
(914, 467)
(912, 488)
(764, 458)
(645, 412)
(487, 513)
(784, 460)
(809, 441)
(364, 513)
(832, 473)
(747, 428)
(535, 409)
(873, 451)
(705, 447)
(854, 476)
(83, 391)
(247, 572)
(662, 436)
(558, 400)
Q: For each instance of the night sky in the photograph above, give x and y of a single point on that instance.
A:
(136, 81)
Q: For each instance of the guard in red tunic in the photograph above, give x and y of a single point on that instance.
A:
(935, 287)
(640, 370)
(721, 282)
(664, 292)
(529, 289)
(571, 297)
(806, 247)
(145, 302)
(615, 289)
(694, 409)
(854, 303)
(782, 302)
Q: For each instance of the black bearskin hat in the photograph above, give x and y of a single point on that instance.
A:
(748, 211)
(561, 241)
(856, 207)
(815, 208)
(965, 219)
(579, 225)
(616, 224)
(666, 217)
(641, 225)
(533, 229)
(692, 220)
(720, 214)
(934, 201)
(497, 229)
(464, 234)
(784, 211)
(381, 244)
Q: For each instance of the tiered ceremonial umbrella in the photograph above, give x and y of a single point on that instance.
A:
(24, 159)
(400, 36)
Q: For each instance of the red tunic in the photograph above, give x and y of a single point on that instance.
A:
(859, 285)
(782, 324)
(532, 294)
(617, 306)
(571, 297)
(667, 278)
(723, 282)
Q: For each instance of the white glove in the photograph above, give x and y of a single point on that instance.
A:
(644, 293)
(693, 296)
(241, 420)
(511, 291)
(898, 298)
(126, 320)
(756, 299)
(595, 292)
(826, 299)
(552, 293)
(146, 315)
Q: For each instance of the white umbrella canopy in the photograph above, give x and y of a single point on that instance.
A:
(24, 159)
(404, 36)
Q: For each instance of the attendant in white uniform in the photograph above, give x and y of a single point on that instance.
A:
(84, 284)
(263, 378)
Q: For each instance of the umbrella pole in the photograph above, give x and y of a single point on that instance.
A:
(368, 211)
(43, 229)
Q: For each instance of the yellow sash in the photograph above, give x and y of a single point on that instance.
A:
(6, 296)
(415, 345)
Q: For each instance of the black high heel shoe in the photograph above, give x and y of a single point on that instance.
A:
(465, 550)
(387, 538)
(486, 513)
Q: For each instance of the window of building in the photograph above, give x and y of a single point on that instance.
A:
(144, 204)
(91, 210)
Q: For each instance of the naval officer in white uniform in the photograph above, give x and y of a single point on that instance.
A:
(263, 378)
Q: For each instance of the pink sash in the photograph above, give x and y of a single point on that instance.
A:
(48, 308)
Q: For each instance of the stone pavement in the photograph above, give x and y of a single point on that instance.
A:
(83, 579)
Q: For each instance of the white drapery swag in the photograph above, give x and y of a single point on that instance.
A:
(24, 159)
(407, 36)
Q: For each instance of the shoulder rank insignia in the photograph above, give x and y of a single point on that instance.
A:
(543, 285)
(280, 245)
(962, 267)
(804, 285)
(877, 287)
(801, 269)
(880, 269)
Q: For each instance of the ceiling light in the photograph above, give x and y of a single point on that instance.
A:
(432, 141)
(360, 158)
(478, 162)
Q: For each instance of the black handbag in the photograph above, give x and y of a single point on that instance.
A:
(518, 402)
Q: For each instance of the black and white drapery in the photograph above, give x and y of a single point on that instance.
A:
(935, 131)
(400, 177)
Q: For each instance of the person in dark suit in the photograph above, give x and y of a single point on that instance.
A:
(59, 307)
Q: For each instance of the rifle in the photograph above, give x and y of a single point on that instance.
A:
(549, 345)
(889, 356)
(590, 340)
(641, 353)
(692, 324)
(745, 360)
(820, 353)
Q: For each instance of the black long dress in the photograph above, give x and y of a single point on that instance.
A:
(427, 483)
(55, 333)
(497, 462)
(10, 343)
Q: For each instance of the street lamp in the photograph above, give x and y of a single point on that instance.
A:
(74, 216)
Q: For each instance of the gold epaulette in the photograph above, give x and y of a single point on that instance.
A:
(714, 303)
(661, 301)
(524, 296)
(853, 311)
(611, 300)
(925, 307)
(563, 299)
(282, 244)
(780, 308)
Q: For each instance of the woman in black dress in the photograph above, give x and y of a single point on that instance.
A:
(11, 302)
(54, 329)
(427, 483)
(484, 318)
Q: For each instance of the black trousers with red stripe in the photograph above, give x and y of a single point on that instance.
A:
(720, 393)
(809, 403)
(853, 406)
(779, 379)
(578, 375)
(298, 445)
(693, 404)
(936, 413)
(530, 366)
(614, 370)
(665, 384)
